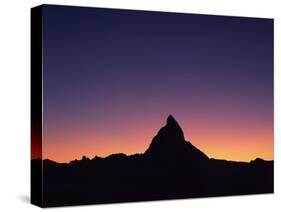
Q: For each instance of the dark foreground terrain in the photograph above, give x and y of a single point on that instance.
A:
(170, 168)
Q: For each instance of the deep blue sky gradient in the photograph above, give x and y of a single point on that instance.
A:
(102, 65)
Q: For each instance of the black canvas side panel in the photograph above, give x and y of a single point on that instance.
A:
(36, 106)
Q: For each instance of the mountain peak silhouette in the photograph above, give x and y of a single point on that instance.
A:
(174, 127)
(170, 143)
(170, 168)
(171, 119)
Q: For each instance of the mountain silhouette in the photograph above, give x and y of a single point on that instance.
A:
(170, 168)
(169, 143)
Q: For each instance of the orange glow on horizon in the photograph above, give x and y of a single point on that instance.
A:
(36, 144)
(236, 144)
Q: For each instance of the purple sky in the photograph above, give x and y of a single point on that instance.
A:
(122, 72)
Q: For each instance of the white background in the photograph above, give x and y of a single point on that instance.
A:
(15, 103)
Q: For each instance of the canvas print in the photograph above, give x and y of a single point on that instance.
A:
(133, 105)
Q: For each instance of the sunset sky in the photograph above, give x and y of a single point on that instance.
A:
(112, 77)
